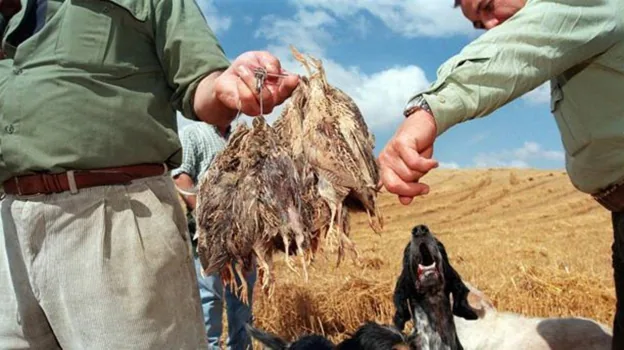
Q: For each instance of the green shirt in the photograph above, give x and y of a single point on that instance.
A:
(576, 44)
(99, 84)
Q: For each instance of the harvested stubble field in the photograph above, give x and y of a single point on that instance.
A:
(526, 238)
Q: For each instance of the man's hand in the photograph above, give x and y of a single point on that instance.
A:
(219, 96)
(184, 182)
(407, 157)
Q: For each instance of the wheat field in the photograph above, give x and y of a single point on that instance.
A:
(527, 238)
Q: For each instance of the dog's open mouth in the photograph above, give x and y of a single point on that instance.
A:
(427, 270)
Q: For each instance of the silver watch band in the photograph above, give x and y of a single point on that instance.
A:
(415, 104)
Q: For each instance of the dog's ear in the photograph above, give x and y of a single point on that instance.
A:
(456, 287)
(270, 341)
(478, 301)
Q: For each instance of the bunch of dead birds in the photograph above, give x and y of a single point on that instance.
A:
(288, 187)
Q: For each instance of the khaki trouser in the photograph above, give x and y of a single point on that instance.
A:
(107, 268)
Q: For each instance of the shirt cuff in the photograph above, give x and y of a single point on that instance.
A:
(446, 106)
(181, 170)
(188, 102)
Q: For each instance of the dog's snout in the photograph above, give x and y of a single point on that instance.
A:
(420, 230)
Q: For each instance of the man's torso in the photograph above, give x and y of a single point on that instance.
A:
(90, 90)
(587, 102)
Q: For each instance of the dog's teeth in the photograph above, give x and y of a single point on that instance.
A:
(424, 268)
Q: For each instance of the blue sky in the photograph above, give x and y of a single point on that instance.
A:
(381, 52)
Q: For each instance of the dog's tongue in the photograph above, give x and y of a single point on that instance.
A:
(426, 270)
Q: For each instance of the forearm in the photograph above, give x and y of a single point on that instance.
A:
(207, 106)
(184, 182)
(542, 41)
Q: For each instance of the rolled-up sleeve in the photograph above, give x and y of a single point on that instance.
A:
(539, 42)
(188, 50)
(190, 163)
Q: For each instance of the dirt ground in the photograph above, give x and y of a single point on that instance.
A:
(526, 238)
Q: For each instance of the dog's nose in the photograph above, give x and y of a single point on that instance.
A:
(420, 230)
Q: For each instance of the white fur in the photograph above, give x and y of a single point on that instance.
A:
(507, 331)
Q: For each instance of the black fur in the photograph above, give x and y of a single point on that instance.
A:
(274, 342)
(406, 298)
(373, 336)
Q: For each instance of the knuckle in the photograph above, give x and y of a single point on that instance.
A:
(413, 162)
(382, 159)
(393, 186)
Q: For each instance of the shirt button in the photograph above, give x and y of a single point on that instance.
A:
(105, 9)
(17, 71)
(9, 128)
(442, 99)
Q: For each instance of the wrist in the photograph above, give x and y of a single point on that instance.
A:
(422, 116)
(418, 109)
(208, 106)
(416, 103)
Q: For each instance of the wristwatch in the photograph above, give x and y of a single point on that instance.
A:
(415, 104)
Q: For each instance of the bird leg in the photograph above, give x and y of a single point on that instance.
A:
(228, 277)
(264, 268)
(339, 233)
(379, 218)
(319, 68)
(299, 57)
(371, 224)
(270, 286)
(330, 235)
(299, 241)
(244, 290)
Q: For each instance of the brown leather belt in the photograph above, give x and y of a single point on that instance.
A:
(54, 183)
(612, 198)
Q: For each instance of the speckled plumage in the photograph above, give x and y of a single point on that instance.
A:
(289, 186)
(324, 125)
(249, 198)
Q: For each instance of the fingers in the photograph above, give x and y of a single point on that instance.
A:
(274, 90)
(407, 174)
(402, 166)
(272, 66)
(405, 200)
(394, 184)
(406, 162)
(250, 98)
(413, 160)
(286, 87)
(269, 62)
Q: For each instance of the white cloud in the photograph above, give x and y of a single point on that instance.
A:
(381, 96)
(308, 30)
(539, 95)
(518, 158)
(410, 18)
(217, 21)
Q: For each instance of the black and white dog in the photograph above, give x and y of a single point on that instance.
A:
(274, 342)
(369, 336)
(423, 290)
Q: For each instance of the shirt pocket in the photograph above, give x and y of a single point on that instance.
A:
(92, 31)
(574, 135)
